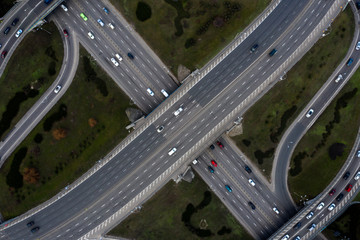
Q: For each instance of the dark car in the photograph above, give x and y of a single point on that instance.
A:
(212, 147)
(297, 226)
(3, 54)
(7, 30)
(357, 5)
(254, 47)
(66, 34)
(220, 144)
(29, 224)
(211, 169)
(339, 197)
(15, 21)
(272, 53)
(130, 56)
(248, 169)
(346, 175)
(332, 192)
(35, 229)
(252, 205)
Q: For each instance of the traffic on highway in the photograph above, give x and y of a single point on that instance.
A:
(181, 124)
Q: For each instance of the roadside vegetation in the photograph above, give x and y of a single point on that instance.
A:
(325, 147)
(266, 121)
(347, 226)
(87, 122)
(29, 73)
(189, 33)
(182, 211)
(6, 5)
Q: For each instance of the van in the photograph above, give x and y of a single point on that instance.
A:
(164, 93)
(272, 53)
(111, 26)
(338, 78)
(177, 112)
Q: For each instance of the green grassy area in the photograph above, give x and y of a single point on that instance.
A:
(266, 121)
(318, 167)
(34, 65)
(161, 216)
(205, 27)
(347, 226)
(94, 124)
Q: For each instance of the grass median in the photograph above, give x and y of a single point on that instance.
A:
(266, 121)
(30, 71)
(163, 216)
(189, 33)
(87, 122)
(324, 148)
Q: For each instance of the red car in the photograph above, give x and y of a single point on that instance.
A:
(348, 188)
(3, 54)
(220, 144)
(66, 33)
(332, 192)
(213, 163)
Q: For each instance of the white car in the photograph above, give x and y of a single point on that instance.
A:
(358, 46)
(159, 129)
(195, 161)
(118, 57)
(111, 26)
(91, 35)
(309, 113)
(358, 154)
(150, 92)
(357, 176)
(320, 206)
(64, 7)
(297, 237)
(251, 182)
(338, 78)
(286, 237)
(310, 215)
(276, 210)
(18, 33)
(312, 227)
(331, 207)
(177, 112)
(57, 89)
(114, 62)
(164, 93)
(100, 22)
(172, 151)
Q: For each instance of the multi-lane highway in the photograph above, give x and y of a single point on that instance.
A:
(204, 105)
(230, 170)
(229, 84)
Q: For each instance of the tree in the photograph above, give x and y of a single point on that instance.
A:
(59, 133)
(92, 122)
(31, 175)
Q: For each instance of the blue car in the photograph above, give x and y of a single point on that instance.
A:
(349, 62)
(228, 188)
(211, 169)
(105, 10)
